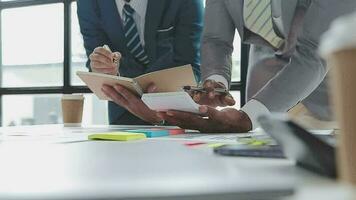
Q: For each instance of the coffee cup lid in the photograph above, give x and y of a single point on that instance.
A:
(73, 96)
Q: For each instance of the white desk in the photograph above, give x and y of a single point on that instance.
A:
(307, 185)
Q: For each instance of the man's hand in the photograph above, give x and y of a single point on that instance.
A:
(102, 61)
(212, 98)
(228, 120)
(132, 103)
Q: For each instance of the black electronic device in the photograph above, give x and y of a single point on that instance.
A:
(266, 151)
(308, 150)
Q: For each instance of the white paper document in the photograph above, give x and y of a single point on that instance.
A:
(180, 101)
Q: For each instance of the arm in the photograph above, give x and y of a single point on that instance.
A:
(217, 48)
(299, 78)
(90, 26)
(296, 80)
(217, 43)
(306, 69)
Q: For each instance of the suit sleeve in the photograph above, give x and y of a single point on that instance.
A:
(296, 80)
(306, 69)
(90, 26)
(217, 42)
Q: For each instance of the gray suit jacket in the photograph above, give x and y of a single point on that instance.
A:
(278, 78)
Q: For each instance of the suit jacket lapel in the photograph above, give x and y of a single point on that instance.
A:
(113, 22)
(154, 14)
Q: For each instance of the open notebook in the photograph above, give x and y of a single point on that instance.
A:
(167, 80)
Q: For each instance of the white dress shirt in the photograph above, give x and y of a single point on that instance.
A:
(140, 7)
(252, 108)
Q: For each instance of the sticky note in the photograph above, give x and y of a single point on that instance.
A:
(192, 144)
(173, 131)
(119, 136)
(258, 143)
(254, 142)
(151, 133)
(215, 145)
(176, 131)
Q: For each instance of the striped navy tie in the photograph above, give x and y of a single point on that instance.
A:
(132, 36)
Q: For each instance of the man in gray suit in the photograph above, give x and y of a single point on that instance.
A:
(284, 66)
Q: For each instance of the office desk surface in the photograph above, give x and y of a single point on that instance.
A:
(22, 160)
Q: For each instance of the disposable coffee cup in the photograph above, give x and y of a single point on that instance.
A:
(338, 47)
(72, 109)
(344, 94)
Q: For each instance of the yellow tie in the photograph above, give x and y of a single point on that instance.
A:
(258, 19)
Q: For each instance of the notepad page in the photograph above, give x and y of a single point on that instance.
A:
(180, 101)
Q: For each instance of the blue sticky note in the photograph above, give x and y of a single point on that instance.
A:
(152, 133)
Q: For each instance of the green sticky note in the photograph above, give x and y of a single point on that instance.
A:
(215, 145)
(258, 143)
(117, 136)
(254, 142)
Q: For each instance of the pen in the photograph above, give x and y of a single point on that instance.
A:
(115, 59)
(201, 89)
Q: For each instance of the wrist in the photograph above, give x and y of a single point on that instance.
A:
(158, 122)
(155, 120)
(246, 122)
(161, 122)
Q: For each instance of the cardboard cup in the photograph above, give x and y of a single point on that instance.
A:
(72, 109)
(343, 71)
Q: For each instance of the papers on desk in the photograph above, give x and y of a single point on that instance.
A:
(227, 138)
(60, 134)
(52, 133)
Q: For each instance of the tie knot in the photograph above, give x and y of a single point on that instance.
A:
(128, 9)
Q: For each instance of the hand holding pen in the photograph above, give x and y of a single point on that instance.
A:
(211, 93)
(103, 60)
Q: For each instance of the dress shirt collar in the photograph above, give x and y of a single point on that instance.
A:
(140, 6)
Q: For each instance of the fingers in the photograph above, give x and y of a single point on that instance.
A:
(105, 62)
(151, 88)
(184, 120)
(210, 112)
(218, 98)
(100, 68)
(103, 52)
(111, 56)
(227, 100)
(197, 96)
(113, 95)
(128, 95)
(100, 64)
(171, 120)
(210, 96)
(210, 86)
(116, 57)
